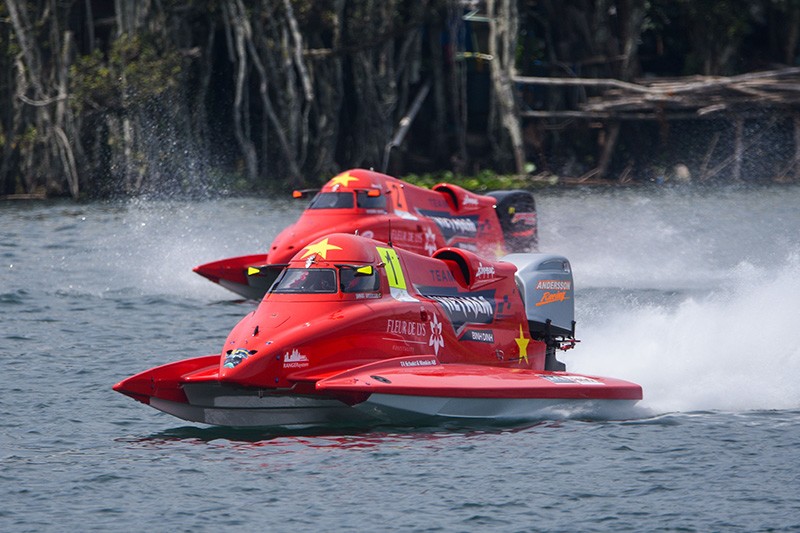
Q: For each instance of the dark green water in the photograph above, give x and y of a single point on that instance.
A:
(695, 295)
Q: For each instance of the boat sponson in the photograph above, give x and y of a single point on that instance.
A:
(426, 376)
(233, 269)
(165, 382)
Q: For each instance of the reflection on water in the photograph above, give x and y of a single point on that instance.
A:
(330, 435)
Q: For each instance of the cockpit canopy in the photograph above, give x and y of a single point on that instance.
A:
(362, 199)
(351, 279)
(305, 281)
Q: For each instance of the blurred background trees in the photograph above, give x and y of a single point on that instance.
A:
(102, 98)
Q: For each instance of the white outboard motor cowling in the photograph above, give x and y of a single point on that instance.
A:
(545, 282)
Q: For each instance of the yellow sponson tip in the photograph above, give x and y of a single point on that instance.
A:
(252, 271)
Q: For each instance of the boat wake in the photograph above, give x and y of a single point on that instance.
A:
(732, 348)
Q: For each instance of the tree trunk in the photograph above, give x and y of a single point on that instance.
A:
(502, 16)
(458, 85)
(607, 149)
(796, 161)
(738, 150)
(236, 18)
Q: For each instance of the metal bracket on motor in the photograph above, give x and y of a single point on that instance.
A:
(557, 342)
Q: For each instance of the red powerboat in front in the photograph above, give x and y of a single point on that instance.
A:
(355, 330)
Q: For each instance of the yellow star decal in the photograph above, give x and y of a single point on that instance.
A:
(522, 342)
(322, 248)
(343, 179)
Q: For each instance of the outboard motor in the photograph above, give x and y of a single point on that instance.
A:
(545, 283)
(516, 211)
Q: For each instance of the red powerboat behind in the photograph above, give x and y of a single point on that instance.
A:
(355, 330)
(378, 206)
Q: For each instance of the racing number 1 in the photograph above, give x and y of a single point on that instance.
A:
(393, 270)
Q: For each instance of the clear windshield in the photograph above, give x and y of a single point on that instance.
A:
(365, 201)
(332, 200)
(305, 281)
(344, 200)
(359, 279)
(352, 279)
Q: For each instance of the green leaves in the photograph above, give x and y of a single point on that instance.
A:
(135, 68)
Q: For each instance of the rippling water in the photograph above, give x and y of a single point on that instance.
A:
(694, 294)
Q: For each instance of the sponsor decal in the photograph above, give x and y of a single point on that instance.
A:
(295, 359)
(580, 380)
(469, 200)
(437, 339)
(430, 241)
(472, 308)
(477, 335)
(419, 362)
(369, 234)
(553, 285)
(552, 297)
(437, 203)
(406, 327)
(407, 237)
(367, 295)
(441, 275)
(485, 271)
(466, 246)
(452, 226)
(526, 218)
(457, 225)
(463, 308)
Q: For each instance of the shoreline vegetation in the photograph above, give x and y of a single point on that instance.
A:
(125, 99)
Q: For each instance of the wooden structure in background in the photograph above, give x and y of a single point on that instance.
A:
(774, 93)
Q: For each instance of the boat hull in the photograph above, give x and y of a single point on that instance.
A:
(293, 411)
(401, 390)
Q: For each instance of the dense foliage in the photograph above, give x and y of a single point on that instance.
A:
(105, 98)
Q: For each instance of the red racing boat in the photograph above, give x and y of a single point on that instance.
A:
(355, 330)
(389, 210)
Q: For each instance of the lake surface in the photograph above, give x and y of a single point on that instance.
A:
(695, 294)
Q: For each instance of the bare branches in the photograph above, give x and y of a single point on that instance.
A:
(697, 96)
